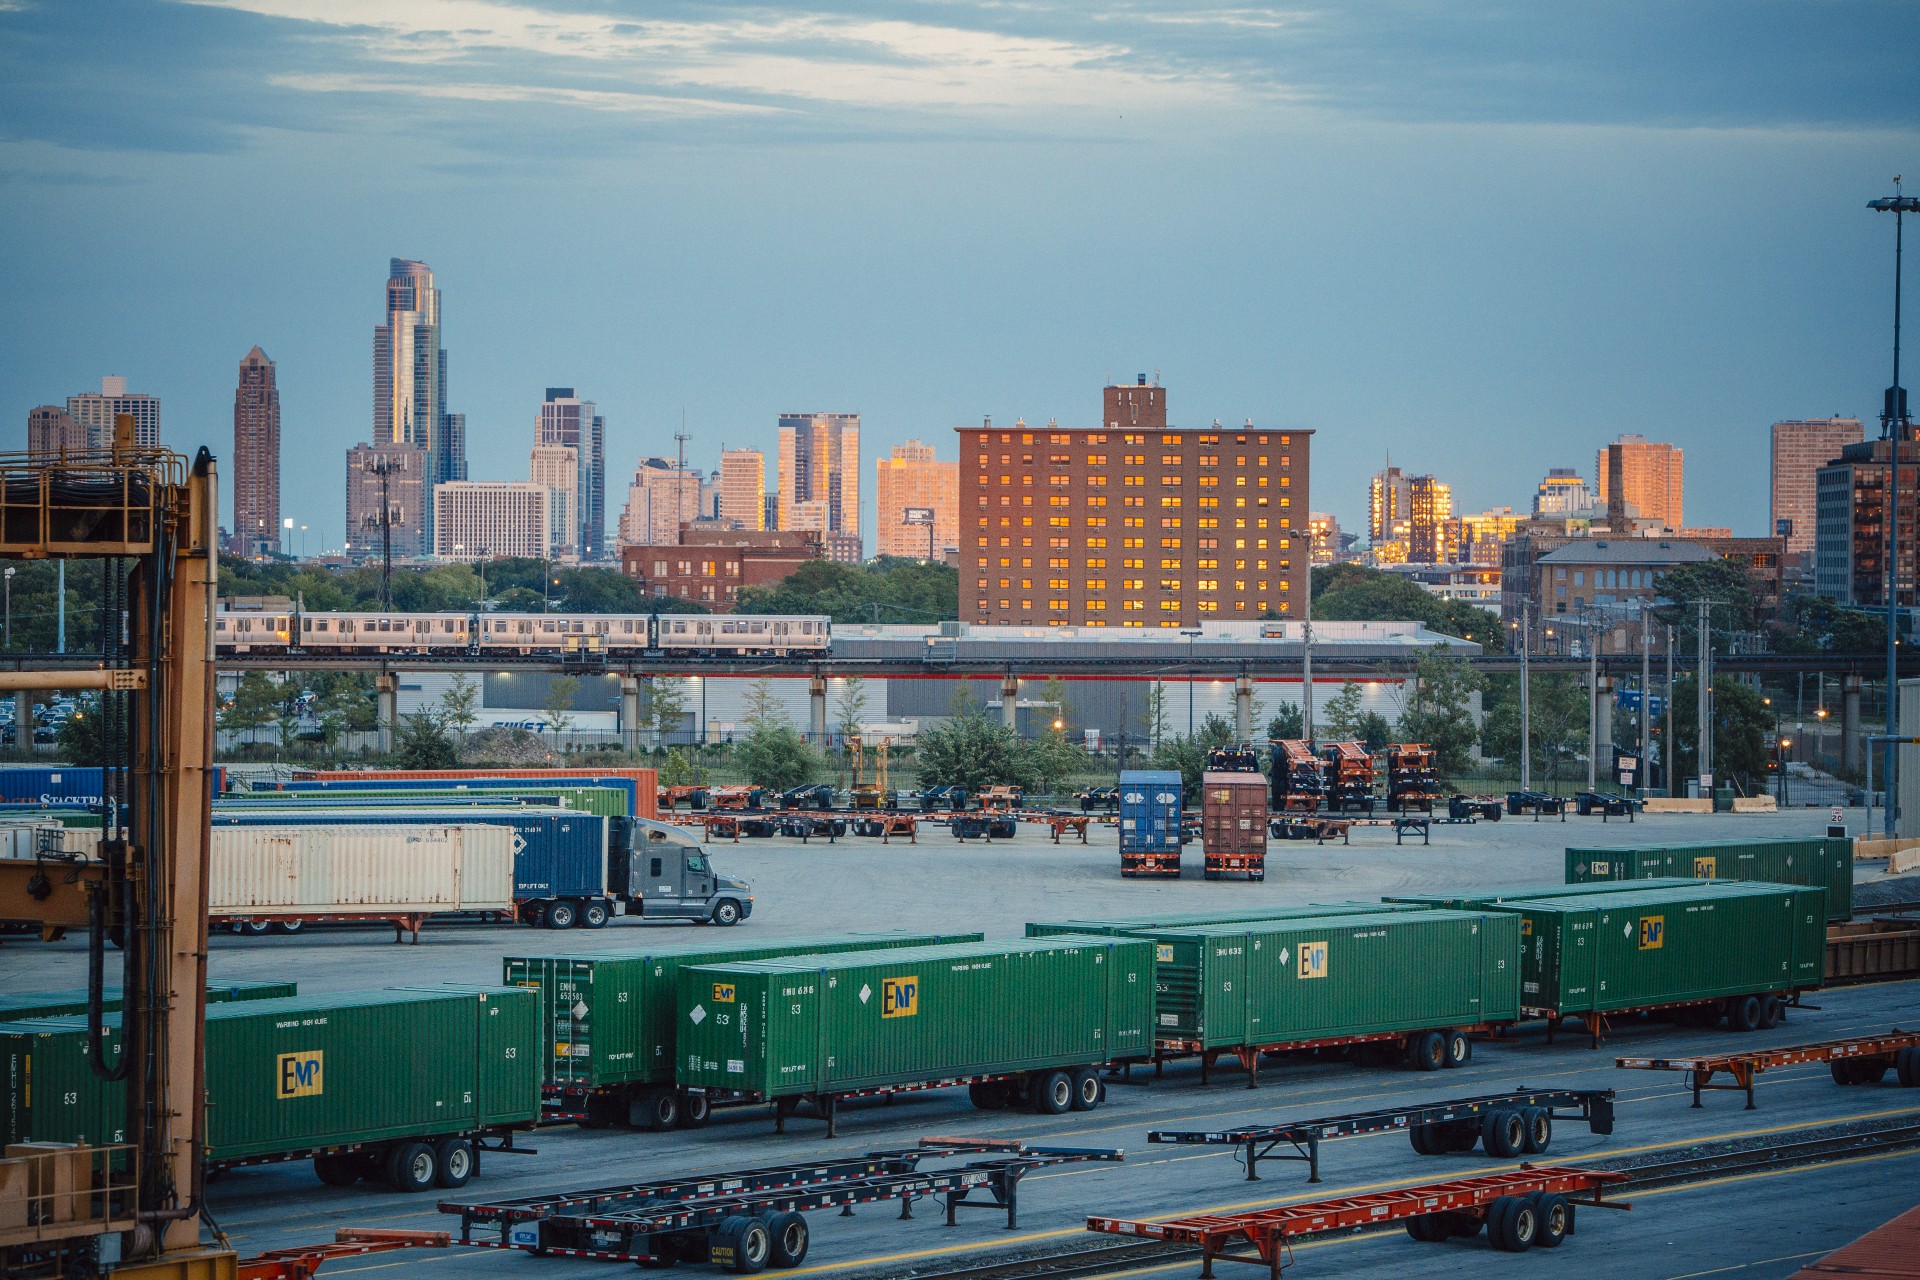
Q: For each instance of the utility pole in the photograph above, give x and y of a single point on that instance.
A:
(1526, 709)
(1704, 740)
(382, 469)
(1646, 698)
(1667, 752)
(1306, 658)
(1593, 706)
(1894, 428)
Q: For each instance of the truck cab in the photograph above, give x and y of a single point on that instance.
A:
(671, 877)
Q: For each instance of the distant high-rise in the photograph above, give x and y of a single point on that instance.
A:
(1640, 479)
(1390, 511)
(51, 429)
(397, 472)
(566, 419)
(770, 511)
(1562, 494)
(256, 458)
(1801, 446)
(661, 499)
(410, 376)
(490, 519)
(1431, 509)
(1140, 407)
(820, 462)
(556, 468)
(743, 488)
(912, 481)
(96, 413)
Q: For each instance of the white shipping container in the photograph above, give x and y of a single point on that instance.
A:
(20, 841)
(360, 870)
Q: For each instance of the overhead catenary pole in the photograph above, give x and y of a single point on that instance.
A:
(1894, 429)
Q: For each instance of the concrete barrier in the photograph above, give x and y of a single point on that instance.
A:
(1755, 804)
(1675, 804)
(1888, 848)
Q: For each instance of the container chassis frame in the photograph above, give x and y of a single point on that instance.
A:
(1881, 1050)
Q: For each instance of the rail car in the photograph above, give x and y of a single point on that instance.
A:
(238, 632)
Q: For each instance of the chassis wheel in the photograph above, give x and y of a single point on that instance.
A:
(561, 915)
(1053, 1093)
(790, 1240)
(658, 1111)
(411, 1166)
(1504, 1134)
(1087, 1089)
(595, 915)
(1459, 1049)
(456, 1165)
(695, 1110)
(1428, 1051)
(1539, 1128)
(726, 912)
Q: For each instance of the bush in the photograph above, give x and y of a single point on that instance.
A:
(503, 747)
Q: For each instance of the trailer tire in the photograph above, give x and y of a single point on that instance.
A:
(1539, 1128)
(339, 1169)
(1512, 1224)
(1773, 1012)
(791, 1239)
(1503, 1134)
(1459, 1049)
(658, 1110)
(1426, 1228)
(1088, 1092)
(1906, 1066)
(453, 1163)
(1841, 1069)
(1421, 1136)
(1427, 1051)
(1554, 1216)
(1052, 1093)
(560, 915)
(695, 1109)
(1464, 1225)
(1459, 1135)
(1743, 1013)
(287, 926)
(255, 928)
(411, 1166)
(594, 915)
(744, 1244)
(988, 1095)
(726, 913)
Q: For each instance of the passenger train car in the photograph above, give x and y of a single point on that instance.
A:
(517, 634)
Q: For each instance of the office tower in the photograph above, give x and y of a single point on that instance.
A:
(1641, 479)
(916, 504)
(490, 519)
(556, 468)
(1161, 526)
(96, 413)
(1390, 513)
(1431, 508)
(1328, 542)
(410, 376)
(661, 498)
(395, 474)
(51, 429)
(566, 419)
(1481, 539)
(770, 511)
(256, 458)
(1562, 494)
(743, 488)
(820, 462)
(1801, 446)
(1850, 525)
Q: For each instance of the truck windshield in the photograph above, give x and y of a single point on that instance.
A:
(697, 865)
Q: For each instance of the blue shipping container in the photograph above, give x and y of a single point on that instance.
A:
(1149, 810)
(51, 786)
(561, 853)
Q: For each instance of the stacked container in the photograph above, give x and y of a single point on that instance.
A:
(1299, 784)
(1824, 861)
(1412, 780)
(1233, 824)
(1349, 778)
(1150, 823)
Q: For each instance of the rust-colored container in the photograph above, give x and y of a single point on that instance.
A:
(646, 781)
(1233, 824)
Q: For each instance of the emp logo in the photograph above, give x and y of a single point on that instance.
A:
(723, 993)
(1653, 932)
(299, 1074)
(1313, 959)
(899, 997)
(1703, 868)
(1163, 952)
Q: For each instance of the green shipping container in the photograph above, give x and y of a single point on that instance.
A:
(608, 802)
(838, 1024)
(1823, 861)
(289, 1077)
(1334, 977)
(1599, 953)
(609, 1017)
(1130, 925)
(60, 1004)
(1481, 899)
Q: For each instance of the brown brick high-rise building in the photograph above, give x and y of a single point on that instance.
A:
(256, 458)
(1642, 479)
(1136, 524)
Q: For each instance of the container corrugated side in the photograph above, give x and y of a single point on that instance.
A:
(1149, 924)
(832, 1024)
(591, 790)
(35, 785)
(1601, 953)
(360, 869)
(1478, 899)
(1818, 860)
(611, 1017)
(1233, 813)
(51, 1092)
(1149, 810)
(647, 781)
(608, 802)
(1335, 976)
(60, 1004)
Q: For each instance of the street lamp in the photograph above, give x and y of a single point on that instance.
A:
(9, 639)
(1780, 762)
(1526, 716)
(1191, 636)
(1893, 428)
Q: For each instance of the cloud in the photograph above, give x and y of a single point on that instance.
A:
(594, 99)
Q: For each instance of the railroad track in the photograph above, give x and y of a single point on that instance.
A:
(1109, 1259)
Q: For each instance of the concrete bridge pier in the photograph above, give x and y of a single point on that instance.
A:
(1243, 708)
(1010, 702)
(817, 711)
(1850, 755)
(630, 712)
(386, 694)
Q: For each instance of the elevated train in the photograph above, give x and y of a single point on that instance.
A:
(250, 632)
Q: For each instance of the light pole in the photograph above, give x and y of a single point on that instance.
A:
(1191, 636)
(9, 639)
(1894, 428)
(1526, 716)
(1784, 744)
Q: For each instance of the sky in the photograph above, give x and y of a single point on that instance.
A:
(1482, 238)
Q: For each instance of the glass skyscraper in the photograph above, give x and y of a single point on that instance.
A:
(410, 376)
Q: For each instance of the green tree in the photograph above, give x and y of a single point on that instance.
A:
(1440, 711)
(82, 738)
(1053, 691)
(884, 590)
(421, 741)
(972, 751)
(1356, 593)
(1185, 756)
(763, 704)
(666, 706)
(1287, 724)
(1050, 759)
(853, 705)
(1342, 713)
(1820, 624)
(1718, 580)
(558, 705)
(458, 703)
(1741, 723)
(1558, 713)
(257, 702)
(774, 756)
(1156, 718)
(1374, 730)
(517, 600)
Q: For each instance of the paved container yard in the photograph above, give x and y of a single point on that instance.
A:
(1763, 1225)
